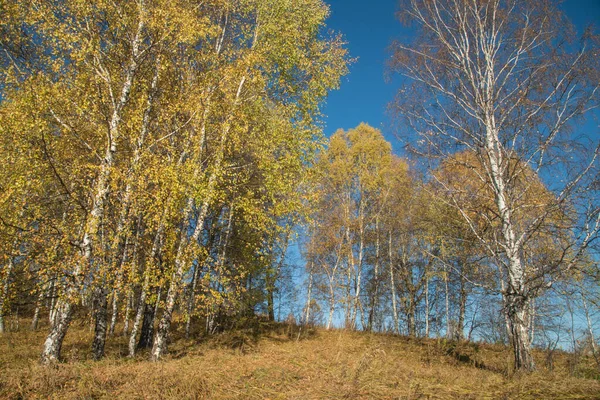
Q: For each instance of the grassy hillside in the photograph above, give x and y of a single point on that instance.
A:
(279, 362)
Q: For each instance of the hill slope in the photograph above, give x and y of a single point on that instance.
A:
(282, 363)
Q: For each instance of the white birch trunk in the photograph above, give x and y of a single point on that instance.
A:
(53, 295)
(331, 305)
(5, 288)
(375, 293)
(308, 295)
(5, 291)
(66, 304)
(121, 237)
(191, 301)
(36, 314)
(144, 293)
(331, 279)
(359, 266)
(116, 291)
(516, 294)
(127, 312)
(590, 330)
(160, 341)
(449, 332)
(138, 315)
(351, 277)
(427, 306)
(393, 285)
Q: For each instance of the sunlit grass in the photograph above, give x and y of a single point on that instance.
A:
(281, 362)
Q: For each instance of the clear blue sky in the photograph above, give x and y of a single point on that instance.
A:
(369, 28)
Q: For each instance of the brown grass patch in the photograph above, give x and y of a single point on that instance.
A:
(274, 362)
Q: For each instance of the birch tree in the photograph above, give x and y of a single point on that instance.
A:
(261, 52)
(132, 131)
(362, 201)
(507, 80)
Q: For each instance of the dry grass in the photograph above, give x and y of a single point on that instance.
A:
(272, 364)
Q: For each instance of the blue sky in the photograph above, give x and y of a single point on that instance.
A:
(369, 28)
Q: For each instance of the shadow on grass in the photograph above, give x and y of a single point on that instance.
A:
(242, 337)
(467, 354)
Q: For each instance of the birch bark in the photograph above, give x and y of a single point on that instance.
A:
(65, 305)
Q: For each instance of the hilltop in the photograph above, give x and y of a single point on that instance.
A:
(279, 361)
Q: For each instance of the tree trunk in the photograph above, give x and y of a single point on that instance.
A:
(505, 312)
(191, 301)
(100, 316)
(350, 318)
(359, 267)
(411, 318)
(147, 327)
(393, 285)
(348, 297)
(5, 293)
(211, 325)
(160, 341)
(375, 288)
(462, 309)
(140, 312)
(53, 343)
(116, 292)
(308, 296)
(532, 321)
(426, 305)
(36, 314)
(157, 302)
(331, 305)
(155, 248)
(54, 340)
(52, 297)
(271, 279)
(36, 317)
(122, 237)
(516, 294)
(449, 332)
(590, 331)
(271, 304)
(141, 307)
(127, 312)
(518, 324)
(331, 278)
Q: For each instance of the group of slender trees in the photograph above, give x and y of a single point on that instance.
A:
(160, 157)
(391, 249)
(511, 83)
(152, 154)
(498, 102)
